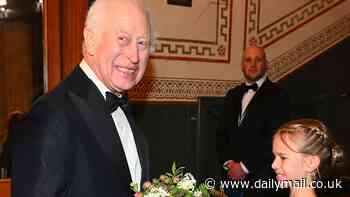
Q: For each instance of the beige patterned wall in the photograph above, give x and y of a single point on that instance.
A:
(198, 49)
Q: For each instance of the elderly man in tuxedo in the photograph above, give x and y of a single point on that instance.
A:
(252, 113)
(81, 139)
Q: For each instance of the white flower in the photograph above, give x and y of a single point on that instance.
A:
(163, 192)
(187, 183)
(157, 192)
(197, 194)
(189, 176)
(154, 195)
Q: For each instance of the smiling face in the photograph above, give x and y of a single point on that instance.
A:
(253, 64)
(118, 46)
(288, 164)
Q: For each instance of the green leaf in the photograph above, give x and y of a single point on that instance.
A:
(188, 194)
(169, 175)
(134, 187)
(155, 181)
(180, 170)
(173, 168)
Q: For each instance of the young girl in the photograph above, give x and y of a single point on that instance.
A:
(303, 150)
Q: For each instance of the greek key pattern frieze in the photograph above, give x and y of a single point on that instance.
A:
(224, 25)
(270, 33)
(216, 50)
(173, 48)
(252, 16)
(163, 89)
(316, 44)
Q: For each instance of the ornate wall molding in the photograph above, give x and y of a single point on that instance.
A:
(283, 63)
(311, 47)
(175, 89)
(282, 26)
(216, 50)
(163, 89)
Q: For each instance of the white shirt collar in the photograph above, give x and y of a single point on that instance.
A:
(259, 82)
(123, 128)
(92, 76)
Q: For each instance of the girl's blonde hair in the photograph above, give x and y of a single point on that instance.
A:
(311, 137)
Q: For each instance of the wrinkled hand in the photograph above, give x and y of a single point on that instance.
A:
(235, 171)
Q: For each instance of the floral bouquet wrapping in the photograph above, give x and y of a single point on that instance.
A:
(174, 184)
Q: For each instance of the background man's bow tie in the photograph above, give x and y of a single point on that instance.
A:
(254, 87)
(116, 100)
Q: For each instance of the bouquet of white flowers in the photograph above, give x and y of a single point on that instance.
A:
(174, 184)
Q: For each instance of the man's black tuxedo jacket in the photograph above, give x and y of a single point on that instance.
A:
(251, 142)
(68, 146)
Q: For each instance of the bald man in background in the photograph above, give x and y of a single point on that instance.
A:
(252, 113)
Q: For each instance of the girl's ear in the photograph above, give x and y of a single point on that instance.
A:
(312, 162)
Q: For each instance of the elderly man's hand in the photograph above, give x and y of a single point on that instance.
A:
(235, 171)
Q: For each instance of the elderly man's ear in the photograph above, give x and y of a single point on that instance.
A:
(90, 41)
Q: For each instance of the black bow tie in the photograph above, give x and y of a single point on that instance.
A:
(116, 100)
(246, 87)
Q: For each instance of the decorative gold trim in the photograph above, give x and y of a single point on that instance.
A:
(217, 50)
(175, 89)
(308, 49)
(168, 89)
(267, 35)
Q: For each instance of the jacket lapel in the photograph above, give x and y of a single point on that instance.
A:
(257, 100)
(237, 105)
(93, 110)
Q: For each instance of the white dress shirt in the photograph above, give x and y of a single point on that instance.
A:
(247, 97)
(123, 127)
